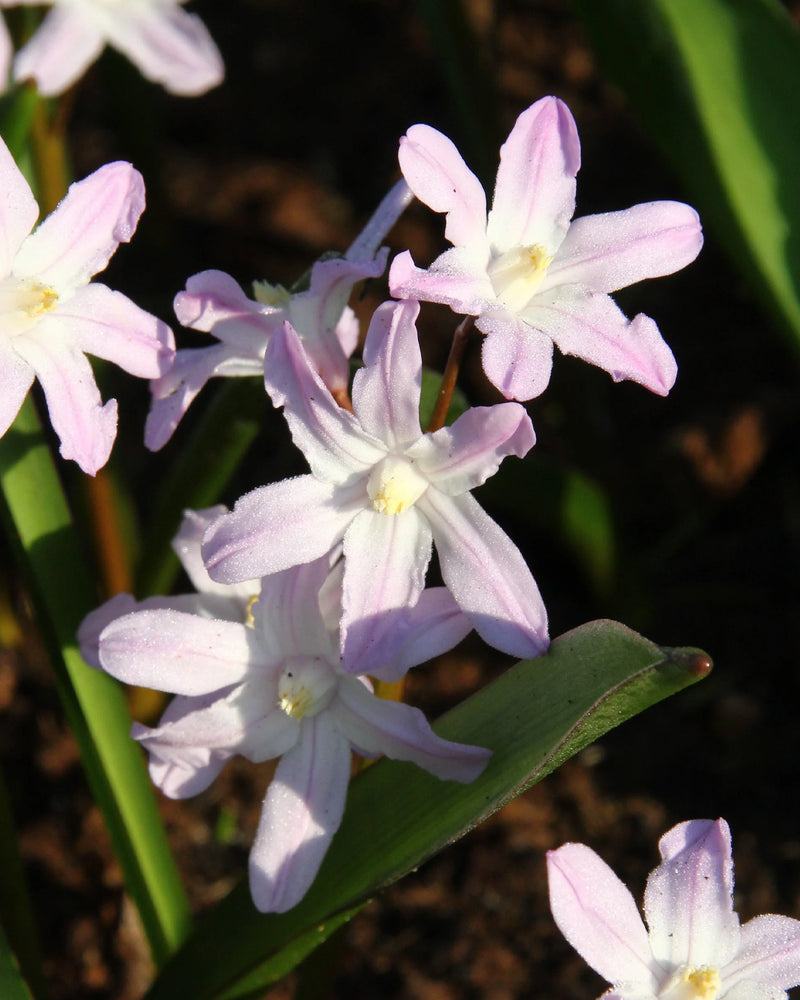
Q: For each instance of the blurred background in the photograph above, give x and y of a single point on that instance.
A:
(677, 516)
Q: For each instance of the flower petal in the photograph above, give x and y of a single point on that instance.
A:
(436, 173)
(64, 45)
(287, 613)
(385, 559)
(173, 651)
(769, 953)
(534, 196)
(598, 916)
(214, 302)
(365, 245)
(386, 390)
(617, 249)
(334, 444)
(688, 902)
(16, 378)
(302, 811)
(432, 626)
(167, 45)
(590, 326)
(457, 279)
(110, 326)
(78, 239)
(84, 426)
(277, 526)
(18, 209)
(486, 574)
(376, 726)
(460, 457)
(516, 358)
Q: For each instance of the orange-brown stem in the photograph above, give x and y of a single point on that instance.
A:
(457, 348)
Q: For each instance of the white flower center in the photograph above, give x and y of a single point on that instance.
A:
(395, 485)
(690, 983)
(306, 686)
(517, 274)
(22, 302)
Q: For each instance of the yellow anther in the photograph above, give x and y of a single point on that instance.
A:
(271, 295)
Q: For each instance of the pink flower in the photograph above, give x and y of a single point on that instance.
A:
(274, 688)
(693, 947)
(51, 312)
(530, 276)
(214, 303)
(166, 44)
(387, 491)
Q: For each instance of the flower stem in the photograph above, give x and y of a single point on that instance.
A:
(457, 348)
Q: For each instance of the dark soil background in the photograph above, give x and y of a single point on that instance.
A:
(259, 177)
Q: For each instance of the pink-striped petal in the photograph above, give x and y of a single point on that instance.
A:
(617, 249)
(386, 391)
(278, 526)
(18, 209)
(598, 916)
(434, 625)
(688, 902)
(177, 652)
(168, 46)
(769, 954)
(85, 427)
(214, 302)
(534, 195)
(591, 326)
(457, 279)
(58, 54)
(335, 446)
(460, 457)
(436, 173)
(376, 726)
(287, 613)
(16, 378)
(77, 240)
(107, 324)
(516, 358)
(302, 811)
(393, 204)
(386, 556)
(486, 574)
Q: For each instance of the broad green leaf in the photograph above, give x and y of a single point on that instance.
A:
(716, 81)
(12, 985)
(533, 718)
(36, 513)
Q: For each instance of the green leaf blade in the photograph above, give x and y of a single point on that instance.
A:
(533, 718)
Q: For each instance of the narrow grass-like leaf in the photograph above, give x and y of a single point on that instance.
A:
(716, 83)
(533, 718)
(37, 514)
(12, 985)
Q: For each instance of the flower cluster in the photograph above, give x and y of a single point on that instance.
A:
(312, 585)
(693, 947)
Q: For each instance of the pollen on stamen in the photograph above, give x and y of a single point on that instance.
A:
(517, 274)
(395, 485)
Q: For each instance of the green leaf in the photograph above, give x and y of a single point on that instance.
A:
(715, 81)
(16, 117)
(37, 514)
(12, 985)
(533, 718)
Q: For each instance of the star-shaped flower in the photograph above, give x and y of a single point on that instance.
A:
(167, 45)
(214, 303)
(51, 312)
(530, 276)
(274, 688)
(388, 490)
(695, 948)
